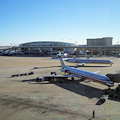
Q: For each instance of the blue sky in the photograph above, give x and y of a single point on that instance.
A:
(58, 20)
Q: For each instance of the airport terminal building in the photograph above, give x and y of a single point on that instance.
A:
(47, 46)
(95, 46)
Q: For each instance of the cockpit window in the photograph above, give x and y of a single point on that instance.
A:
(107, 79)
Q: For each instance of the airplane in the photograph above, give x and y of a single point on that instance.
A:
(12, 53)
(88, 61)
(64, 55)
(85, 74)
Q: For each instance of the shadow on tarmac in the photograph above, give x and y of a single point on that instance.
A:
(81, 89)
(78, 88)
(30, 80)
(68, 66)
(74, 86)
(44, 67)
(94, 66)
(99, 102)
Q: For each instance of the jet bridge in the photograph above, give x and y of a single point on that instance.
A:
(114, 77)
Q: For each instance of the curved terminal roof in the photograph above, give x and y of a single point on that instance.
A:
(51, 43)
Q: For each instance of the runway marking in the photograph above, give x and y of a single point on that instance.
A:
(86, 110)
(82, 109)
(65, 111)
(76, 112)
(106, 108)
(30, 112)
(103, 105)
(112, 113)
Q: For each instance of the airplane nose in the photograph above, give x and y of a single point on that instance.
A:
(112, 62)
(111, 84)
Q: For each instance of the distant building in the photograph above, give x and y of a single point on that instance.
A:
(106, 41)
(47, 46)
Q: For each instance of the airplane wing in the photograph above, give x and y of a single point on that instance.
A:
(73, 75)
(54, 78)
(96, 72)
(57, 76)
(65, 59)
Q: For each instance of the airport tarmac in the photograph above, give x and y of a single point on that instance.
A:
(22, 98)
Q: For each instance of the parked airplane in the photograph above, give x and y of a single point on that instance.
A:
(88, 61)
(85, 74)
(12, 53)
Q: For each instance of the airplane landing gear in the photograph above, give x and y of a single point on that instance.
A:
(72, 78)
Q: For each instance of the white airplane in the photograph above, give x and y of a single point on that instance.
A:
(85, 74)
(12, 53)
(88, 61)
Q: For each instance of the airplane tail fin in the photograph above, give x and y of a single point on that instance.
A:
(62, 63)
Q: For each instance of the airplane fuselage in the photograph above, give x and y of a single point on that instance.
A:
(85, 74)
(92, 61)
